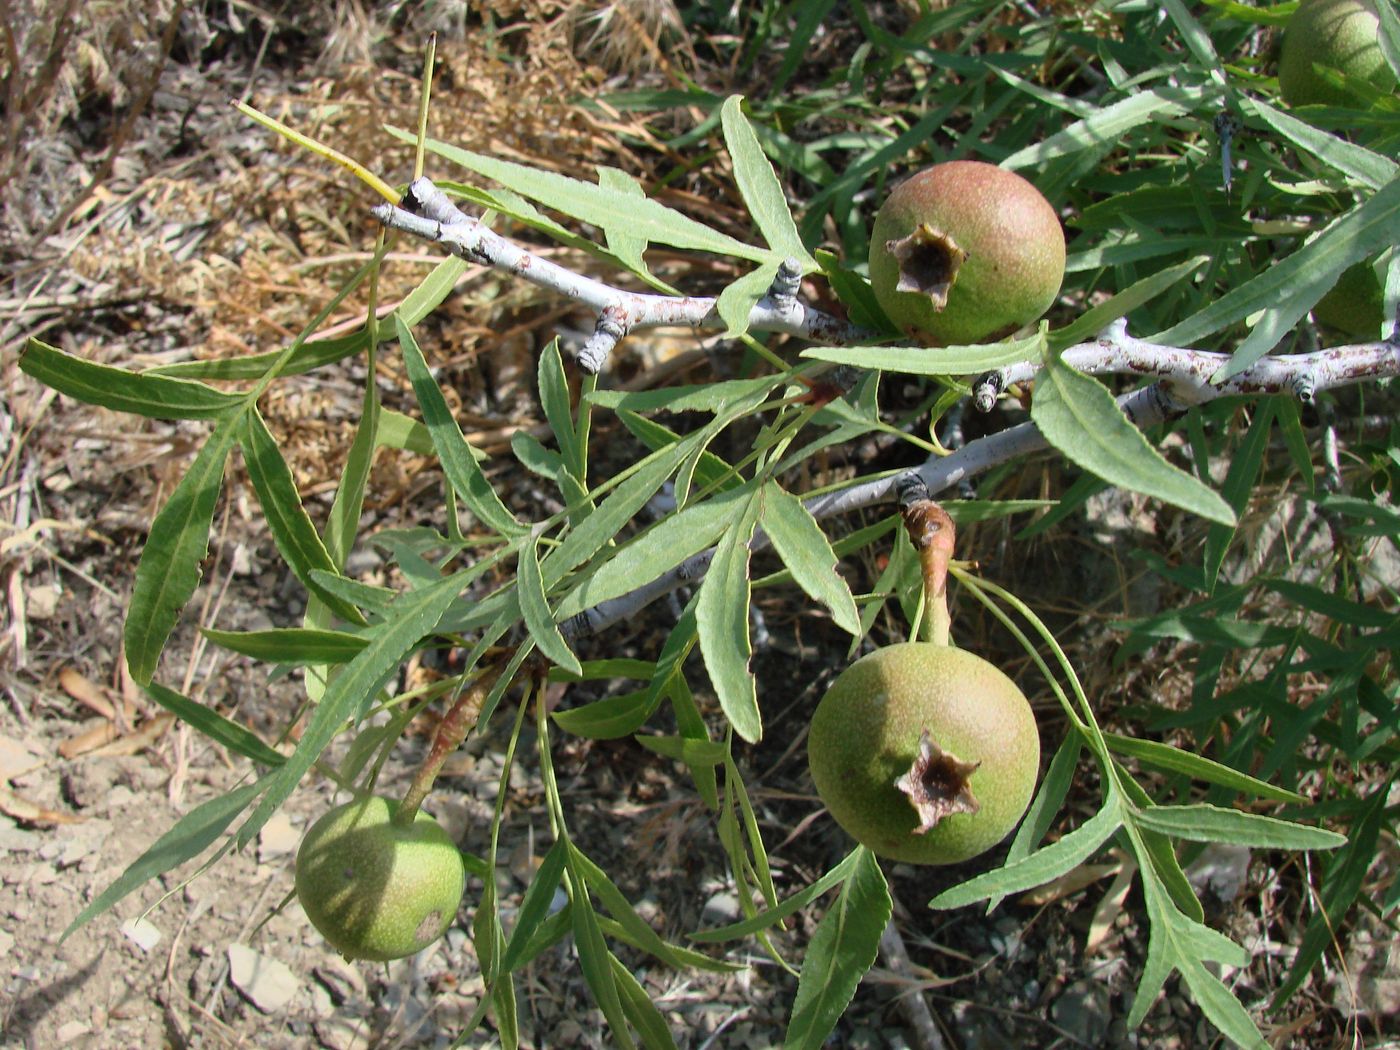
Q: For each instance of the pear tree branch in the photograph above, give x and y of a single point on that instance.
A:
(429, 214)
(1182, 375)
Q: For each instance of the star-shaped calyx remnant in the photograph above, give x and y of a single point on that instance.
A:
(929, 260)
(937, 784)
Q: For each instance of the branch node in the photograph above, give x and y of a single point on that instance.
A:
(1304, 386)
(1115, 332)
(787, 282)
(910, 488)
(986, 389)
(607, 333)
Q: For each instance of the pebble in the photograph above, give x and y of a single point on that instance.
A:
(71, 1031)
(264, 981)
(278, 838)
(1083, 1011)
(142, 933)
(721, 909)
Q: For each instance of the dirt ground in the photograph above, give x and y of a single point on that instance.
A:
(147, 222)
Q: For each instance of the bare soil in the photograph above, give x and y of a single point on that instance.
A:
(146, 222)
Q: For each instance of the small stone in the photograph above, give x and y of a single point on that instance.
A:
(14, 839)
(70, 1031)
(1083, 1011)
(41, 602)
(142, 933)
(721, 909)
(264, 981)
(341, 980)
(1220, 871)
(278, 838)
(17, 759)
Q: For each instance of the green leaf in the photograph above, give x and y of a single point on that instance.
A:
(609, 718)
(169, 569)
(737, 299)
(396, 430)
(157, 397)
(776, 914)
(1041, 866)
(1174, 760)
(596, 961)
(215, 726)
(1177, 942)
(804, 548)
(292, 530)
(535, 905)
(1389, 36)
(595, 204)
(939, 361)
(708, 397)
(192, 835)
(1045, 806)
(554, 398)
(293, 646)
(711, 472)
(534, 607)
(626, 245)
(457, 456)
(1080, 418)
(1097, 133)
(1094, 320)
(615, 511)
(655, 552)
(1286, 290)
(307, 357)
(636, 929)
(411, 617)
(1202, 822)
(840, 952)
(690, 750)
(640, 1010)
(1245, 464)
(1342, 882)
(722, 614)
(1372, 169)
(761, 190)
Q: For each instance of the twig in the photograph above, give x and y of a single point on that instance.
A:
(912, 1005)
(1184, 374)
(428, 213)
(1188, 371)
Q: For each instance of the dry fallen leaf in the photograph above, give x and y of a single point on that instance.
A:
(86, 692)
(32, 813)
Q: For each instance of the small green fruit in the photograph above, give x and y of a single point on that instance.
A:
(1339, 34)
(374, 889)
(966, 251)
(919, 734)
(1356, 304)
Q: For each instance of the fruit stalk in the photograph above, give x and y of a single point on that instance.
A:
(932, 533)
(451, 731)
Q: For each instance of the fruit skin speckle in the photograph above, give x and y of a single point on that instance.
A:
(981, 236)
(1339, 34)
(376, 890)
(859, 746)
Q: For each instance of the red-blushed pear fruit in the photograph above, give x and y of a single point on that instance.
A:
(1356, 304)
(924, 753)
(375, 889)
(1340, 34)
(964, 251)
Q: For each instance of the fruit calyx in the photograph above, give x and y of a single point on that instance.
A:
(929, 260)
(937, 784)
